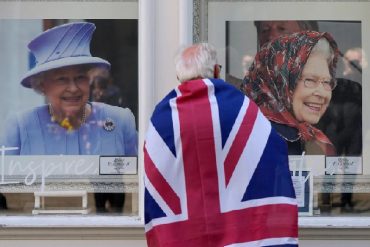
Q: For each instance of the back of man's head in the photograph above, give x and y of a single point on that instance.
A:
(196, 61)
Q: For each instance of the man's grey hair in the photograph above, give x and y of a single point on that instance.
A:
(196, 61)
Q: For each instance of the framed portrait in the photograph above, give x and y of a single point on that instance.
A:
(57, 56)
(240, 29)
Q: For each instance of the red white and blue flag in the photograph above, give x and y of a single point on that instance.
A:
(216, 173)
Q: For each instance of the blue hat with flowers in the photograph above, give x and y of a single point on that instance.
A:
(62, 46)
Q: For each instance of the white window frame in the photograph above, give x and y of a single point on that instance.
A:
(101, 10)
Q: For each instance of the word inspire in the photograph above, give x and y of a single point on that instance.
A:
(32, 167)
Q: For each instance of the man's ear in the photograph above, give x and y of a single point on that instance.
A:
(216, 71)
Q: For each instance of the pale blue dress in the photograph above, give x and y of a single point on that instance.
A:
(35, 134)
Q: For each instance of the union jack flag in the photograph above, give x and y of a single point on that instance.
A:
(216, 173)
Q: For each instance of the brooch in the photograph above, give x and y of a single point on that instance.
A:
(108, 125)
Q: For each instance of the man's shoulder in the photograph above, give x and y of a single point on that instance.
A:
(227, 92)
(219, 84)
(165, 102)
(220, 88)
(222, 85)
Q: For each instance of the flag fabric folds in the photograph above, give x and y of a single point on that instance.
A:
(216, 173)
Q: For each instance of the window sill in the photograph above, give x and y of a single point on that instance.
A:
(131, 228)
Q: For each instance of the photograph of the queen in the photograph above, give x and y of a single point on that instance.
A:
(291, 80)
(315, 105)
(68, 123)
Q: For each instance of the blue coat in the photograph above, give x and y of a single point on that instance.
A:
(35, 134)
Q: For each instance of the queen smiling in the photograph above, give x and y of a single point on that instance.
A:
(68, 123)
(291, 79)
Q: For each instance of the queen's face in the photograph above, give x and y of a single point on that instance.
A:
(67, 90)
(310, 101)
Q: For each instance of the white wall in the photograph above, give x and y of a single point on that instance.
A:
(167, 43)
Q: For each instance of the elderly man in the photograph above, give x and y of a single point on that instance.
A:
(216, 173)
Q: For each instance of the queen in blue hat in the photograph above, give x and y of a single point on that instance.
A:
(68, 123)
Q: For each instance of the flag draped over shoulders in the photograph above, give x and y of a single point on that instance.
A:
(216, 173)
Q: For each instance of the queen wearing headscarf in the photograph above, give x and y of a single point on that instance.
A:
(68, 123)
(291, 80)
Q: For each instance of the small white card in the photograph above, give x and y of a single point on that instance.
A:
(303, 186)
(298, 184)
(343, 165)
(118, 165)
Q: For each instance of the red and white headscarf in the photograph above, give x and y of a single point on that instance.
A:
(274, 74)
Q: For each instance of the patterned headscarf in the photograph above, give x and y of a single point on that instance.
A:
(274, 74)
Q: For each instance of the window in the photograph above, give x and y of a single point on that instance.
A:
(79, 170)
(334, 183)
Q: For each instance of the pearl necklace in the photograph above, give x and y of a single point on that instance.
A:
(65, 123)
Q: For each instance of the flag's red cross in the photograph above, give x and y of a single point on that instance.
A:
(206, 225)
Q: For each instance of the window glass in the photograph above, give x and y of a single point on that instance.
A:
(327, 152)
(70, 112)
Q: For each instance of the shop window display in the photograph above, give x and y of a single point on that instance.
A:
(60, 78)
(327, 182)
